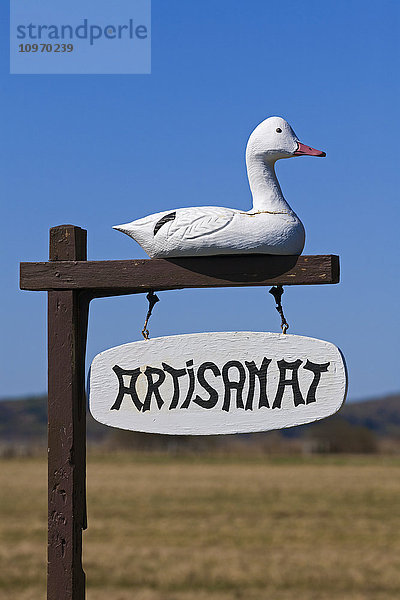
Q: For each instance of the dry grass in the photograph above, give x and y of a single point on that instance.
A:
(169, 529)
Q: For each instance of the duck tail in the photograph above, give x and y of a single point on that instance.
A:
(140, 231)
(125, 228)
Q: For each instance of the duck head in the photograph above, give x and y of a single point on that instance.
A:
(274, 139)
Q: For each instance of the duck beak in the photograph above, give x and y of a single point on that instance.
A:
(303, 150)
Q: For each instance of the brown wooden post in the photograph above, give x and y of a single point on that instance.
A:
(67, 330)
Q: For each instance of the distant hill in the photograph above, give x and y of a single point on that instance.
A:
(25, 420)
(380, 415)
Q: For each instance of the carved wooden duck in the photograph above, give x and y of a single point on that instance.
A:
(270, 227)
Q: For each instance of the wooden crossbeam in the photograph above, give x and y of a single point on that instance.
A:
(113, 277)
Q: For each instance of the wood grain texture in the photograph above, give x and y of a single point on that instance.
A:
(67, 326)
(217, 383)
(107, 278)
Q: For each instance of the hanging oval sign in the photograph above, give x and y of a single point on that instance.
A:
(217, 383)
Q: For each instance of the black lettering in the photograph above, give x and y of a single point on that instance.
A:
(261, 373)
(128, 390)
(317, 369)
(189, 395)
(175, 374)
(213, 394)
(153, 387)
(233, 385)
(293, 382)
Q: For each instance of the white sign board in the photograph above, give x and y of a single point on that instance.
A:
(216, 383)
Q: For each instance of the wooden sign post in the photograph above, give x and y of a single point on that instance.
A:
(72, 282)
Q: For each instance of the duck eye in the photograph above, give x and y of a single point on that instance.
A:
(278, 130)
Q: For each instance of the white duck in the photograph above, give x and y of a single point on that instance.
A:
(270, 227)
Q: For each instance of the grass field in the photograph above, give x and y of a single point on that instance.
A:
(217, 529)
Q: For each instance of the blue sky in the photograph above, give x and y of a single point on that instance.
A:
(97, 150)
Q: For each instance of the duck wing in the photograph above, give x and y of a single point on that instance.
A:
(192, 223)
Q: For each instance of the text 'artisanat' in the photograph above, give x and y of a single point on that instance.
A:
(232, 385)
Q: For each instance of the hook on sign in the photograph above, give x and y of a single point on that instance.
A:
(152, 299)
(277, 292)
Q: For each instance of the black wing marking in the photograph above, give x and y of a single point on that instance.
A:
(163, 220)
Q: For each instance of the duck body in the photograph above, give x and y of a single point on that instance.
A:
(212, 230)
(270, 227)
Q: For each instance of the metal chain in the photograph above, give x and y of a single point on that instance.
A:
(277, 292)
(152, 299)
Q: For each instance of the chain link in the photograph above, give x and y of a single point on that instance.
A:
(152, 299)
(277, 292)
